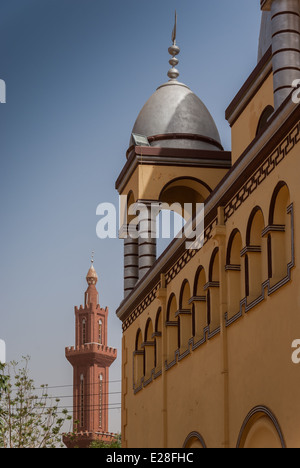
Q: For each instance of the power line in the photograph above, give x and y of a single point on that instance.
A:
(46, 387)
(72, 411)
(52, 397)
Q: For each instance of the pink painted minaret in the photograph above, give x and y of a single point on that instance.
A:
(91, 359)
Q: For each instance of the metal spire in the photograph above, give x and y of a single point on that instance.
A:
(92, 276)
(174, 50)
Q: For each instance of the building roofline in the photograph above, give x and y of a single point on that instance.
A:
(249, 88)
(282, 120)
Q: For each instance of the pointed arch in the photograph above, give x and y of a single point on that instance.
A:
(213, 292)
(264, 118)
(138, 360)
(149, 349)
(185, 315)
(158, 340)
(199, 304)
(234, 273)
(172, 328)
(194, 440)
(280, 234)
(261, 429)
(255, 257)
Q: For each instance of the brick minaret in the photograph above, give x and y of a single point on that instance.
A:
(91, 359)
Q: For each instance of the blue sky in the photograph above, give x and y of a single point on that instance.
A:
(77, 73)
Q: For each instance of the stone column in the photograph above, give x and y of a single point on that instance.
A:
(131, 258)
(147, 236)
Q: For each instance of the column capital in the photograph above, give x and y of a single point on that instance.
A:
(219, 233)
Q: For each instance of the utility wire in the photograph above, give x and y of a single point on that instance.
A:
(53, 397)
(46, 387)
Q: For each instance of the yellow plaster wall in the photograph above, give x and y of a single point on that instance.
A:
(243, 131)
(148, 181)
(260, 370)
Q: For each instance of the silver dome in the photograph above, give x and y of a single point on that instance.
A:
(174, 117)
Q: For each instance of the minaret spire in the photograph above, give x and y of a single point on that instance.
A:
(92, 277)
(174, 50)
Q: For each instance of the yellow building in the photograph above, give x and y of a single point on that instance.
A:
(208, 333)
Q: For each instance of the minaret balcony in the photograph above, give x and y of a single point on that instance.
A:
(93, 353)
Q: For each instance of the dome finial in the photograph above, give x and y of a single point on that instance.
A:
(174, 50)
(92, 276)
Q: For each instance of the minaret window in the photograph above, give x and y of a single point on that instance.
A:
(100, 332)
(101, 401)
(83, 331)
(81, 400)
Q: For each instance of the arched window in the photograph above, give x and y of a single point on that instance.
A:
(100, 332)
(82, 400)
(149, 349)
(213, 292)
(138, 356)
(279, 235)
(199, 305)
(101, 400)
(255, 254)
(236, 291)
(158, 341)
(194, 440)
(185, 316)
(264, 118)
(173, 331)
(181, 197)
(261, 430)
(84, 340)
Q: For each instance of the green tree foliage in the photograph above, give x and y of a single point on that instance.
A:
(28, 420)
(3, 379)
(116, 443)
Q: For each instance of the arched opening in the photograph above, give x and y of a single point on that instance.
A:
(199, 305)
(213, 292)
(255, 254)
(173, 330)
(194, 440)
(158, 341)
(179, 201)
(185, 316)
(185, 190)
(235, 287)
(279, 234)
(261, 430)
(101, 400)
(100, 332)
(82, 401)
(149, 349)
(264, 118)
(84, 331)
(138, 357)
